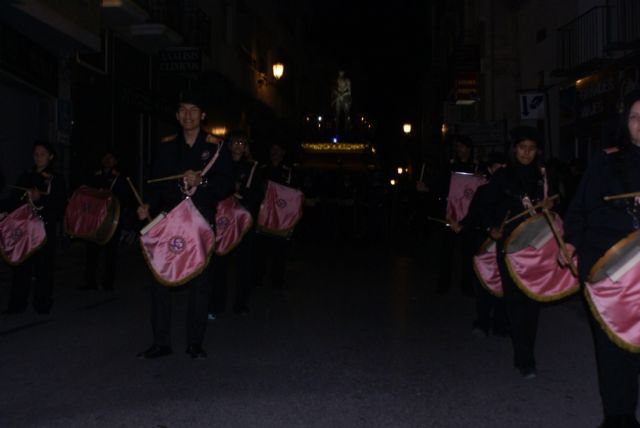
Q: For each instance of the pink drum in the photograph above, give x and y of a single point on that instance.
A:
(92, 214)
(280, 210)
(531, 257)
(462, 187)
(612, 292)
(22, 233)
(233, 221)
(485, 264)
(177, 246)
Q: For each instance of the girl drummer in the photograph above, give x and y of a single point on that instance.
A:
(249, 192)
(519, 186)
(592, 226)
(46, 192)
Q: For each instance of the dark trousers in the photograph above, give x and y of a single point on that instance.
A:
(198, 289)
(522, 313)
(491, 310)
(242, 261)
(450, 246)
(617, 375)
(110, 251)
(40, 265)
(272, 251)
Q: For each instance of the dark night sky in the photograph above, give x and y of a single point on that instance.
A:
(384, 50)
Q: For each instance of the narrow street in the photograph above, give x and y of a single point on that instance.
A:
(358, 338)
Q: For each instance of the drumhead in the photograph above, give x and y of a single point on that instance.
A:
(533, 232)
(618, 259)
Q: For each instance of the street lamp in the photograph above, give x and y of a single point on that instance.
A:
(277, 70)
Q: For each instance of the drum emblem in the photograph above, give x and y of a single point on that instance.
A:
(222, 223)
(281, 203)
(177, 244)
(15, 235)
(468, 193)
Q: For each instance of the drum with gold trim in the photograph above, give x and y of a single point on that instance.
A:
(22, 233)
(280, 210)
(531, 254)
(178, 245)
(92, 214)
(485, 265)
(612, 291)
(233, 221)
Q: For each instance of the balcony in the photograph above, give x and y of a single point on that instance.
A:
(149, 25)
(582, 43)
(121, 13)
(624, 24)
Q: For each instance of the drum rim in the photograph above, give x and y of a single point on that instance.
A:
(615, 248)
(112, 225)
(522, 225)
(480, 279)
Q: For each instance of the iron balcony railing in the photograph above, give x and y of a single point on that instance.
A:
(583, 40)
(624, 23)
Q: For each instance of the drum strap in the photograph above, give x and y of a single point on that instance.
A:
(191, 191)
(113, 183)
(253, 170)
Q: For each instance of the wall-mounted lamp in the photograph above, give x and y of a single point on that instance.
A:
(406, 128)
(277, 71)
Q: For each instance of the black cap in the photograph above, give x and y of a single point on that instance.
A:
(192, 97)
(521, 133)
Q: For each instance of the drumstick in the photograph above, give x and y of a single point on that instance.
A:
(438, 220)
(137, 195)
(621, 196)
(421, 172)
(168, 178)
(525, 212)
(25, 189)
(561, 243)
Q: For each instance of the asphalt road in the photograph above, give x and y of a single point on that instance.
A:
(358, 339)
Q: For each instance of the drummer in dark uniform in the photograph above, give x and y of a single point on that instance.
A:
(273, 250)
(108, 178)
(249, 192)
(592, 226)
(490, 310)
(47, 192)
(186, 153)
(513, 189)
(451, 243)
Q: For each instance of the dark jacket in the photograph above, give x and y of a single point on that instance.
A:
(173, 157)
(593, 225)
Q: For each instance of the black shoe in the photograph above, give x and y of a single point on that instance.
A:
(528, 373)
(155, 351)
(620, 421)
(196, 352)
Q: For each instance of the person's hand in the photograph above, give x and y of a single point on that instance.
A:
(562, 259)
(495, 233)
(143, 211)
(192, 178)
(34, 194)
(455, 226)
(547, 204)
(421, 187)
